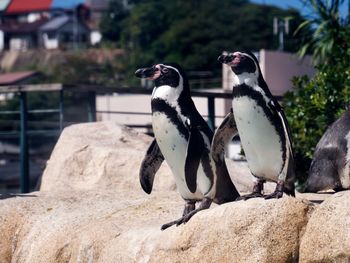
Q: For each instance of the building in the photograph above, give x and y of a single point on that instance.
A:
(63, 32)
(50, 24)
(16, 78)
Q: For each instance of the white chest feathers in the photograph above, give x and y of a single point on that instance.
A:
(173, 146)
(260, 140)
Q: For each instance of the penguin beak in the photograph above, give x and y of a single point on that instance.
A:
(148, 73)
(226, 59)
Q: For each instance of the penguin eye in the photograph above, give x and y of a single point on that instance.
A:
(165, 70)
(243, 58)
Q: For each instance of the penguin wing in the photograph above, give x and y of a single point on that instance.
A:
(223, 135)
(150, 166)
(290, 176)
(277, 107)
(195, 148)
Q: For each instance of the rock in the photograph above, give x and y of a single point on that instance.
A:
(327, 235)
(251, 231)
(75, 226)
(122, 226)
(104, 155)
(91, 208)
(101, 155)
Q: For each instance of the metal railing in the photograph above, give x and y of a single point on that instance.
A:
(92, 91)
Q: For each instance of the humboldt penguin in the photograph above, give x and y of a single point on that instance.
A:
(331, 160)
(260, 122)
(183, 139)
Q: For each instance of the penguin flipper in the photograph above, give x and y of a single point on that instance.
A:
(149, 166)
(223, 135)
(194, 153)
(290, 175)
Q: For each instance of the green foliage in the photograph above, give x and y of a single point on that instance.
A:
(193, 33)
(329, 36)
(110, 25)
(316, 103)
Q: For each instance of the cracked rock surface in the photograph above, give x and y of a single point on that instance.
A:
(91, 208)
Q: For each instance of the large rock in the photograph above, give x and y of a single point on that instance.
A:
(252, 231)
(327, 235)
(76, 226)
(121, 226)
(104, 155)
(91, 209)
(100, 155)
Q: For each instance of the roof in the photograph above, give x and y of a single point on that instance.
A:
(55, 23)
(27, 6)
(13, 78)
(24, 6)
(23, 27)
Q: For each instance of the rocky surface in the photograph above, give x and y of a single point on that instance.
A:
(327, 235)
(91, 208)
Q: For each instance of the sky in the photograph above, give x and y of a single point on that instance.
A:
(297, 4)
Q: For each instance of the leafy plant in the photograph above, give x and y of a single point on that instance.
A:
(329, 40)
(316, 103)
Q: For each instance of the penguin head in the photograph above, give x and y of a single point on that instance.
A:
(246, 68)
(241, 63)
(163, 74)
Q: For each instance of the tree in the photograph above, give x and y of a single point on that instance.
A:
(316, 103)
(111, 22)
(329, 40)
(193, 33)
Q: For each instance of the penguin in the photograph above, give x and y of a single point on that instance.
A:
(330, 163)
(183, 139)
(259, 120)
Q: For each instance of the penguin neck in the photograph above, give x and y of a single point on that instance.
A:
(254, 81)
(169, 94)
(249, 79)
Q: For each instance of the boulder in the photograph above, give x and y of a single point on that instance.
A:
(327, 235)
(101, 155)
(121, 226)
(251, 231)
(105, 155)
(90, 208)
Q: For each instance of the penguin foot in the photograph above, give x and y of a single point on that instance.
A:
(165, 226)
(276, 194)
(249, 196)
(182, 220)
(205, 204)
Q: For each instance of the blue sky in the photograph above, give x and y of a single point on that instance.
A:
(284, 4)
(294, 3)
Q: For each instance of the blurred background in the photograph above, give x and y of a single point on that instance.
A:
(69, 61)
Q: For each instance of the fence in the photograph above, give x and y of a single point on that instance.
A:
(92, 91)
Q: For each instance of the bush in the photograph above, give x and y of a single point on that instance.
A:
(313, 105)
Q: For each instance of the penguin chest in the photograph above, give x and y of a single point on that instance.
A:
(259, 138)
(173, 146)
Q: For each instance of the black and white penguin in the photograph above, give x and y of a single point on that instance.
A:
(183, 140)
(330, 166)
(262, 127)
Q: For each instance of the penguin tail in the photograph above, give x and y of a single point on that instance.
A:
(289, 188)
(225, 189)
(290, 192)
